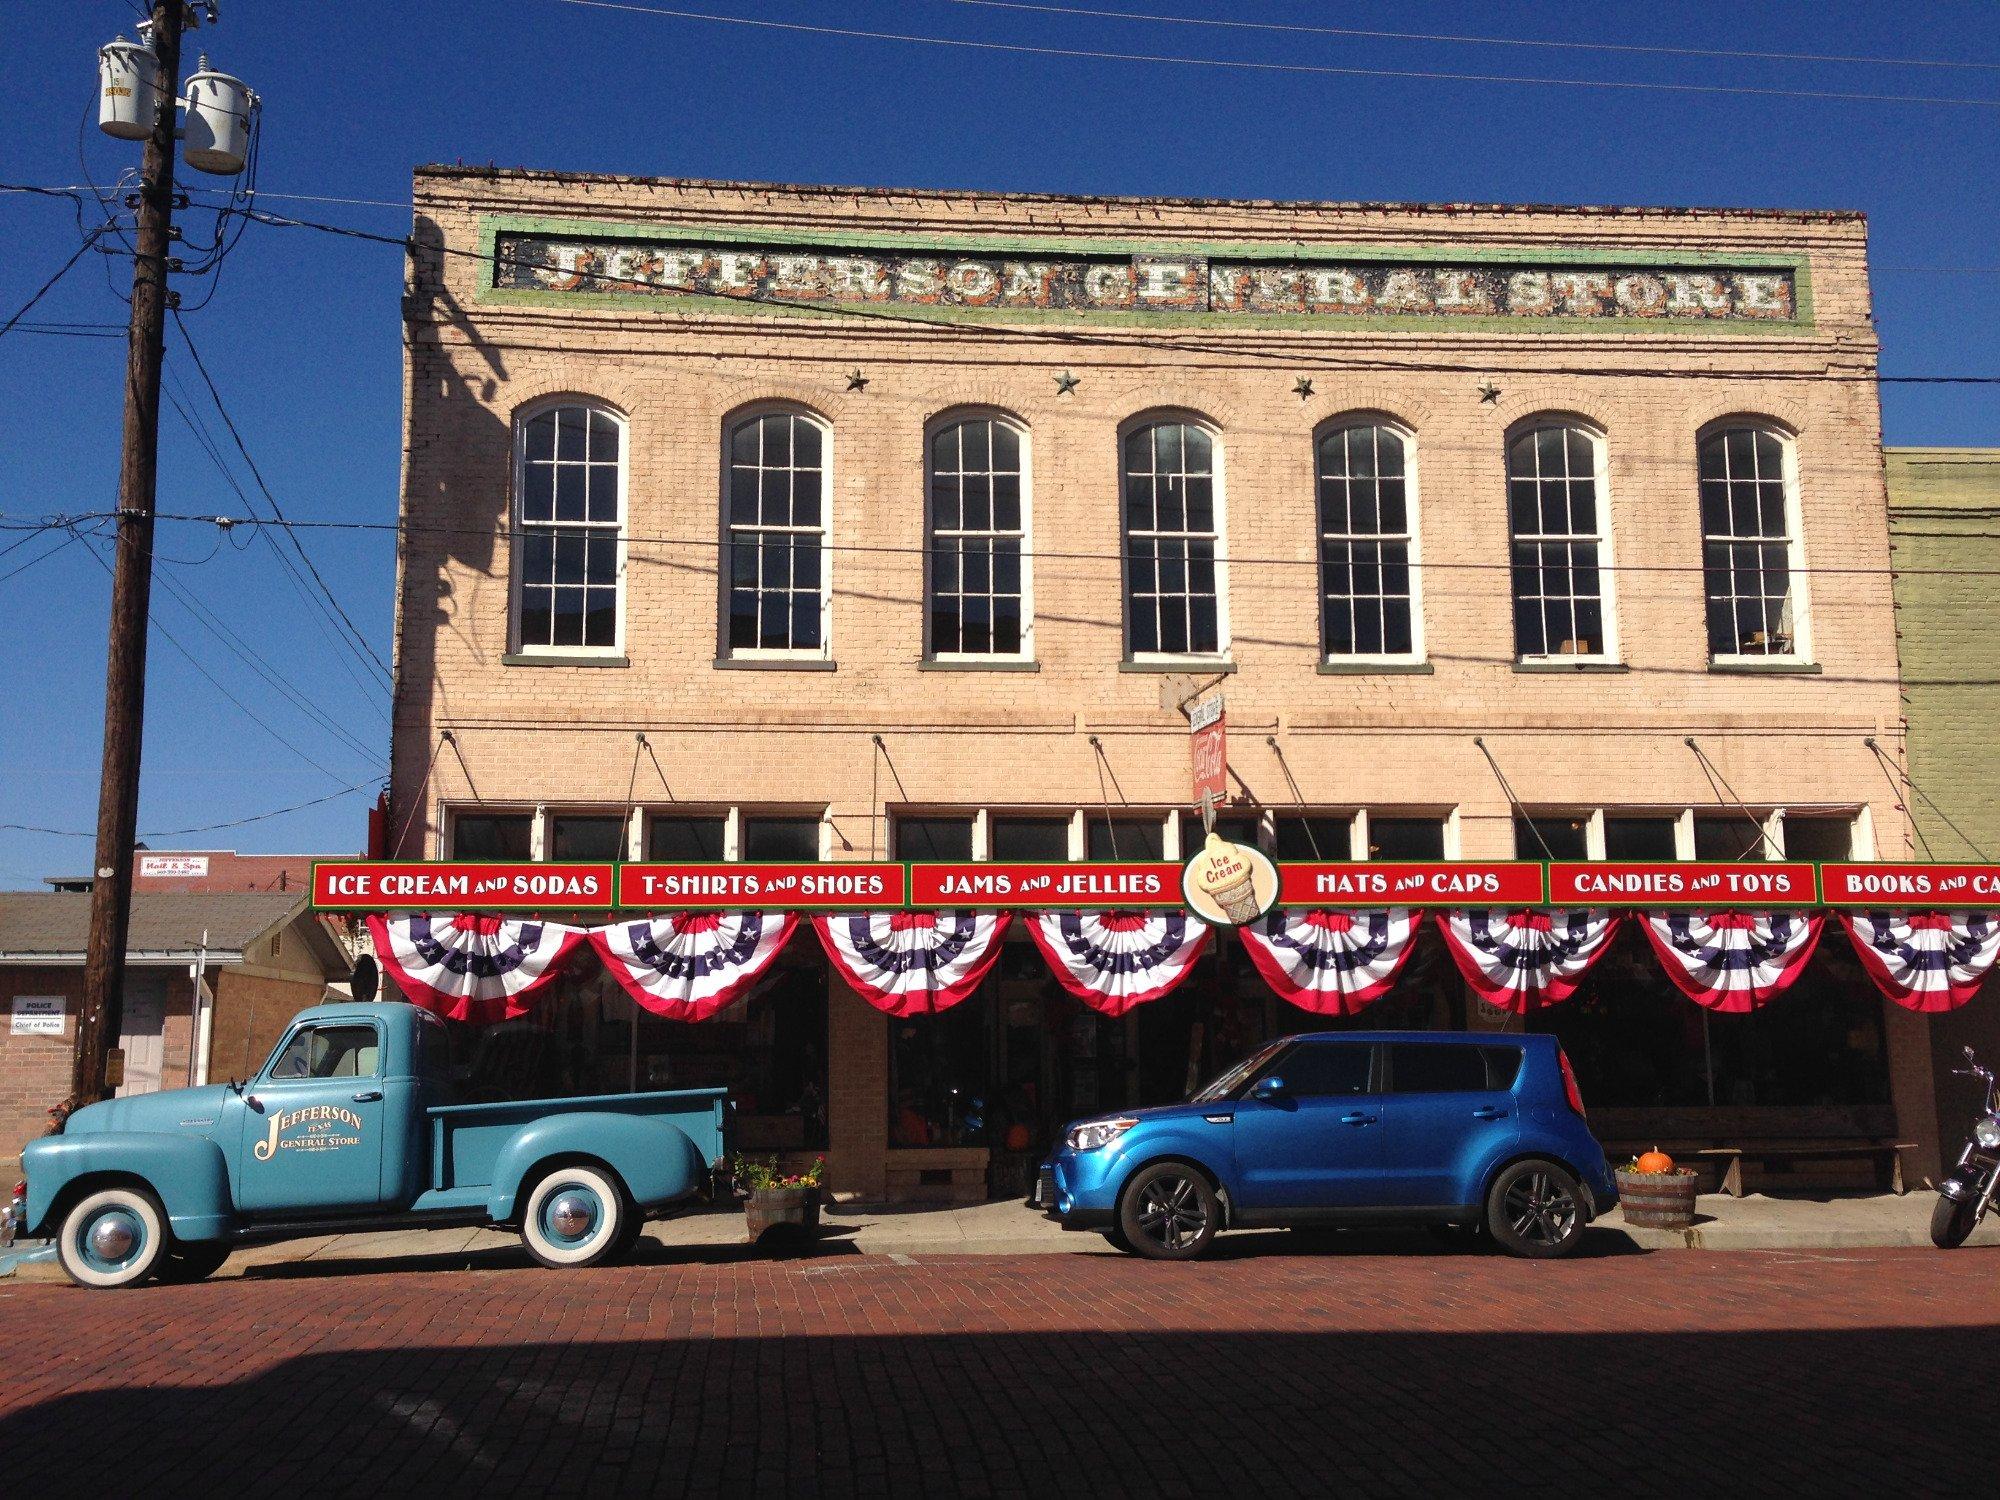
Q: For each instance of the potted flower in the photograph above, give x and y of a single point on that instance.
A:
(778, 1203)
(1656, 1194)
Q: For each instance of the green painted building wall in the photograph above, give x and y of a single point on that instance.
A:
(1944, 513)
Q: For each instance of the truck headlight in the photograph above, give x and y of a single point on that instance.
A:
(1094, 1135)
(1987, 1133)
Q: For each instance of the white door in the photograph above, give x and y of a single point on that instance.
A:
(143, 1034)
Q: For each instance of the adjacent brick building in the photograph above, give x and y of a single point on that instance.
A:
(753, 521)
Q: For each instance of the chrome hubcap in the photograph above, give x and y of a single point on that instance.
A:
(112, 1239)
(570, 1215)
(1171, 1212)
(1540, 1209)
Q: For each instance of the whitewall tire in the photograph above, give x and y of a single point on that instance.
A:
(112, 1238)
(574, 1216)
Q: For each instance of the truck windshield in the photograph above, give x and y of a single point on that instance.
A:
(1231, 1082)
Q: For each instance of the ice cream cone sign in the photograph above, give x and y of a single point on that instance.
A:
(1229, 884)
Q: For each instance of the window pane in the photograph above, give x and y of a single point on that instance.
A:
(1730, 837)
(1029, 839)
(496, 836)
(678, 839)
(1819, 838)
(1564, 837)
(782, 839)
(1436, 1068)
(1124, 837)
(1405, 838)
(1329, 836)
(1639, 838)
(1318, 1069)
(588, 837)
(1746, 557)
(1171, 603)
(934, 838)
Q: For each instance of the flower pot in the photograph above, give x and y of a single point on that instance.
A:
(1657, 1200)
(786, 1213)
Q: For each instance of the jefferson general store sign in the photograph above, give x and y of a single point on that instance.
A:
(1311, 284)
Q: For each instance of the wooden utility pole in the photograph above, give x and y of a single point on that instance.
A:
(102, 1018)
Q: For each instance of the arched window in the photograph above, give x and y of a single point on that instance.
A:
(978, 526)
(1172, 602)
(1367, 594)
(1749, 537)
(777, 515)
(1556, 510)
(569, 513)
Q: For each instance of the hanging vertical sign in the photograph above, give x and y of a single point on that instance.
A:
(1208, 739)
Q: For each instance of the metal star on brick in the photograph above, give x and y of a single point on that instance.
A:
(1302, 388)
(1065, 383)
(856, 381)
(1489, 393)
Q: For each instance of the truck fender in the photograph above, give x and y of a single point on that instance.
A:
(188, 1174)
(656, 1160)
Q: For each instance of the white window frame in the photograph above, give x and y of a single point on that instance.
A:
(999, 417)
(1219, 493)
(1411, 536)
(519, 527)
(1606, 571)
(1795, 557)
(727, 536)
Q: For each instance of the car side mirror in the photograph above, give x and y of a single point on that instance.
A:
(1268, 1088)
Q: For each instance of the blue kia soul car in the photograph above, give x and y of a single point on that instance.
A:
(1471, 1133)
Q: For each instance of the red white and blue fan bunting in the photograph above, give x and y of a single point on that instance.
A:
(1926, 961)
(1524, 960)
(1331, 962)
(1114, 960)
(689, 966)
(911, 963)
(471, 968)
(1733, 961)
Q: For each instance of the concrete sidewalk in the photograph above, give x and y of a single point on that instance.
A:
(1752, 1223)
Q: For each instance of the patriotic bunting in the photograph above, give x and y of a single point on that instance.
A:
(1524, 960)
(912, 963)
(1733, 961)
(471, 968)
(1331, 962)
(689, 966)
(1925, 961)
(1114, 960)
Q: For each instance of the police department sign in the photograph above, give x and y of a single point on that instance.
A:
(1245, 286)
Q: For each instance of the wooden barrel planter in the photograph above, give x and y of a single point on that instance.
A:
(782, 1213)
(1658, 1200)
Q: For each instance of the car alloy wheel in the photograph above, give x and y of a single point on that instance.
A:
(1171, 1212)
(1540, 1208)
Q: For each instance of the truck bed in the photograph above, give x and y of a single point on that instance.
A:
(467, 1138)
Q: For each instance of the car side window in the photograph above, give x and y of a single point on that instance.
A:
(1503, 1066)
(329, 1052)
(1322, 1068)
(1437, 1068)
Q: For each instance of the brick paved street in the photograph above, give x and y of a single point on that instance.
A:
(1267, 1372)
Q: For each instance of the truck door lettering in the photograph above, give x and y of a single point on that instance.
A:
(322, 1122)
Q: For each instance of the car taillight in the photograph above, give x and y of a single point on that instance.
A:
(1570, 1091)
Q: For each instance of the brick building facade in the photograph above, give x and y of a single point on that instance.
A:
(899, 522)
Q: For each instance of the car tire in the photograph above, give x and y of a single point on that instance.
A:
(1952, 1222)
(1535, 1209)
(574, 1216)
(186, 1263)
(1169, 1212)
(113, 1238)
(629, 1236)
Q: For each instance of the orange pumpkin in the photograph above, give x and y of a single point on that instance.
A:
(1018, 1138)
(1653, 1162)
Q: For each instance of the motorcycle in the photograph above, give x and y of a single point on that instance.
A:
(1968, 1189)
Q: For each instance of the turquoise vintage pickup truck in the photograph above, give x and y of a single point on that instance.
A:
(350, 1126)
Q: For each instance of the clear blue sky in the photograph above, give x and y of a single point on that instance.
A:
(303, 338)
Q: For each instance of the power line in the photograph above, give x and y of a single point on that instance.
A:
(43, 290)
(1243, 65)
(39, 558)
(1481, 41)
(174, 833)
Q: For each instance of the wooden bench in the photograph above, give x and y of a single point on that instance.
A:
(1886, 1155)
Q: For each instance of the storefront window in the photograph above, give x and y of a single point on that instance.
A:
(934, 838)
(1551, 836)
(1029, 839)
(1730, 837)
(768, 1050)
(1818, 837)
(1321, 837)
(596, 837)
(1405, 838)
(508, 836)
(1640, 838)
(789, 840)
(676, 839)
(938, 1071)
(1125, 838)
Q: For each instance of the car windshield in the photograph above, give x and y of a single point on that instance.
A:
(1233, 1079)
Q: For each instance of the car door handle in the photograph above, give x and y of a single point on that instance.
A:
(367, 1096)
(1358, 1118)
(1489, 1112)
